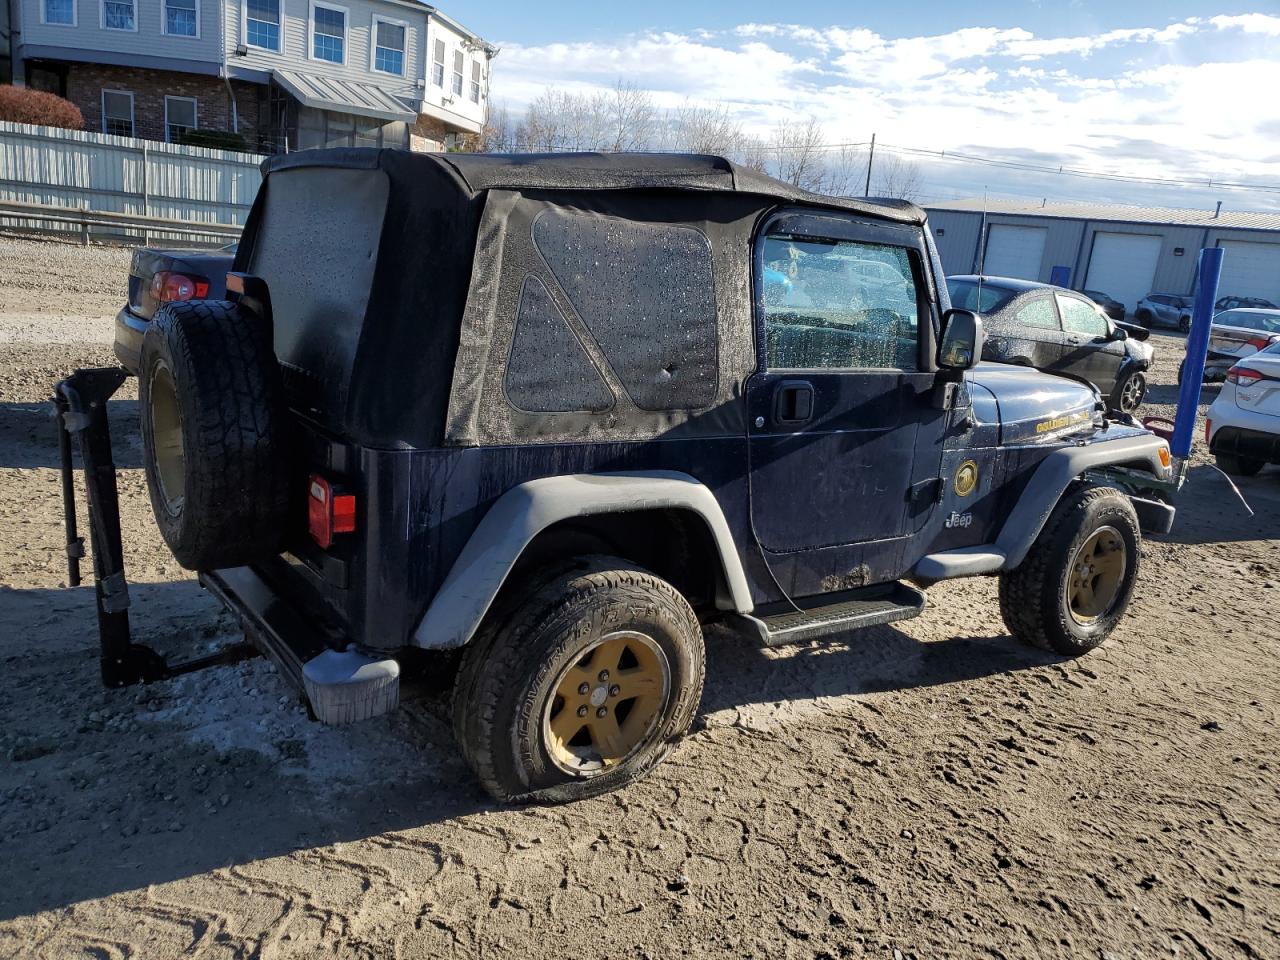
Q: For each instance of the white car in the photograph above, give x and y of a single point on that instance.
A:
(1243, 424)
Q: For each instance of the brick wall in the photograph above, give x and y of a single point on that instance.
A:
(86, 81)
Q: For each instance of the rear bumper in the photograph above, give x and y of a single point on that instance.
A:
(1243, 442)
(130, 329)
(277, 627)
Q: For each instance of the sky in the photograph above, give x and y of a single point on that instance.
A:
(1167, 90)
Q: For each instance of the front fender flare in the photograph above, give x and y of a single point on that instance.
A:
(1056, 472)
(525, 510)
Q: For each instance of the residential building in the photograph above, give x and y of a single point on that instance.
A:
(1125, 252)
(286, 74)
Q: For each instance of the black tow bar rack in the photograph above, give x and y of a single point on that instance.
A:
(81, 402)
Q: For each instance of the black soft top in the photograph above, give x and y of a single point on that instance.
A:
(478, 172)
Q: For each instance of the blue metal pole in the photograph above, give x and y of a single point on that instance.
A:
(1210, 269)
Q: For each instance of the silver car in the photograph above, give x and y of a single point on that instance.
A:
(1165, 310)
(1237, 334)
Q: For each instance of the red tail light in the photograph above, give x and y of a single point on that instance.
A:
(329, 512)
(167, 287)
(1208, 430)
(1260, 343)
(1243, 376)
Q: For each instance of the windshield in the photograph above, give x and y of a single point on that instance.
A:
(965, 296)
(1250, 320)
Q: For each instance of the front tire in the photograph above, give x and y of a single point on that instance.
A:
(1144, 317)
(581, 686)
(1073, 587)
(1129, 392)
(1184, 324)
(1238, 466)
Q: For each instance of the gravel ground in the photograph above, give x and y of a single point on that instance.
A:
(923, 790)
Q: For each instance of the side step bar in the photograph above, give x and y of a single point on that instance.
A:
(865, 608)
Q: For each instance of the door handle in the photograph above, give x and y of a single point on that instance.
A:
(793, 402)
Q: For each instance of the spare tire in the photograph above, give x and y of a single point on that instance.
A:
(213, 434)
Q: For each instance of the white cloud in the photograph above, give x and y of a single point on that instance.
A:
(1167, 100)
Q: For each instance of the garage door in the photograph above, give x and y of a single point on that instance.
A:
(1250, 270)
(1014, 251)
(1123, 265)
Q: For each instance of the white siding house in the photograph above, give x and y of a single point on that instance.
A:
(284, 74)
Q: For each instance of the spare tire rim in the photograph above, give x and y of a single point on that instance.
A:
(166, 439)
(605, 705)
(1131, 394)
(1095, 576)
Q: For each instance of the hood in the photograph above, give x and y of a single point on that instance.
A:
(1031, 405)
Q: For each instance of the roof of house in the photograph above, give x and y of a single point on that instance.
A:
(1227, 219)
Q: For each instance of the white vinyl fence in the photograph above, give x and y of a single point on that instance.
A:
(93, 185)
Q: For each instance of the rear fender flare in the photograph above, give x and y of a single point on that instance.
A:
(525, 510)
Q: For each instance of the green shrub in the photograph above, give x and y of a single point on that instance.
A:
(215, 140)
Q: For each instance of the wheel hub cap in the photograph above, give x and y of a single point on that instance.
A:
(1095, 575)
(606, 703)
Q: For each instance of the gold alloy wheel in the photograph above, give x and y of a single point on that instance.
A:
(606, 703)
(1095, 575)
(166, 438)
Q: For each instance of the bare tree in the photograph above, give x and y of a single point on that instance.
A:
(630, 117)
(797, 150)
(699, 129)
(894, 177)
(498, 135)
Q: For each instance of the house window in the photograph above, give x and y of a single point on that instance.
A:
(117, 113)
(458, 61)
(118, 15)
(179, 117)
(328, 33)
(475, 81)
(182, 18)
(59, 12)
(437, 64)
(388, 46)
(263, 24)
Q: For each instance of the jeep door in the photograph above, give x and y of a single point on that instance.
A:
(845, 440)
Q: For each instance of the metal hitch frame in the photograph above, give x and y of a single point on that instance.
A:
(81, 402)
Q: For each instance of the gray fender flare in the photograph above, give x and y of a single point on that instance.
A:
(525, 510)
(1038, 501)
(1056, 473)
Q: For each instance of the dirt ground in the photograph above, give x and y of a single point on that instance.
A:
(924, 790)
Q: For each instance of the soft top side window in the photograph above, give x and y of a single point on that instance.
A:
(838, 304)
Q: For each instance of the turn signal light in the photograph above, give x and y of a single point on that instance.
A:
(1163, 453)
(167, 287)
(329, 511)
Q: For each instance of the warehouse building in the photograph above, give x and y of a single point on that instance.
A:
(1126, 252)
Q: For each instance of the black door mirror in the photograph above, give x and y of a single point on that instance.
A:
(1119, 333)
(961, 346)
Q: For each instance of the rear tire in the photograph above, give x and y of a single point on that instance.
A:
(520, 714)
(1073, 587)
(211, 407)
(1238, 466)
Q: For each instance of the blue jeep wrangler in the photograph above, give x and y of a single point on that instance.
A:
(557, 413)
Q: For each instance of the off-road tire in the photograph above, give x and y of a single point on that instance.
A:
(221, 368)
(509, 669)
(1033, 596)
(1238, 466)
(1129, 392)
